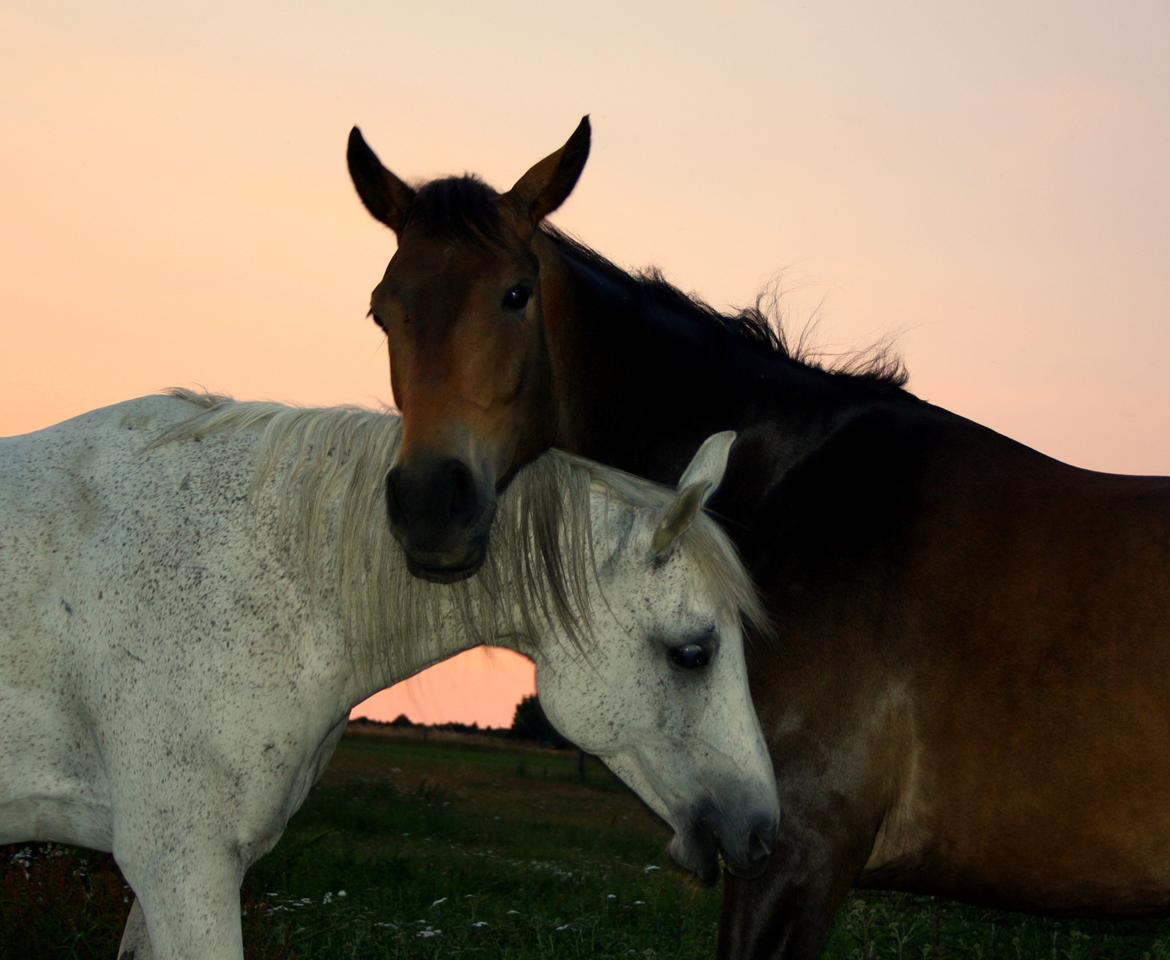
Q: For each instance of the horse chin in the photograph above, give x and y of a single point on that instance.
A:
(448, 565)
(443, 574)
(696, 855)
(746, 871)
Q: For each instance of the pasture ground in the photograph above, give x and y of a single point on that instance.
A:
(445, 847)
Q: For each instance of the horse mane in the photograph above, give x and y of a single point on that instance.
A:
(464, 208)
(329, 468)
(760, 328)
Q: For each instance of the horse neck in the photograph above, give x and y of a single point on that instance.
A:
(424, 623)
(639, 384)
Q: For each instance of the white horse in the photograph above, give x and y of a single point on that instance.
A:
(195, 592)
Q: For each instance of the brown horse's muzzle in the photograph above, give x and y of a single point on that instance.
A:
(441, 514)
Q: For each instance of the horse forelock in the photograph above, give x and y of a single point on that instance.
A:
(326, 469)
(458, 208)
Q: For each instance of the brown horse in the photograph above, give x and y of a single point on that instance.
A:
(970, 693)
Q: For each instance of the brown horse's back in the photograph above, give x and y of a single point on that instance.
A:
(1034, 679)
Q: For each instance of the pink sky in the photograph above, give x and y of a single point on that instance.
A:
(989, 182)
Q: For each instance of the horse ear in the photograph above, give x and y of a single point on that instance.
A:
(546, 185)
(384, 195)
(699, 481)
(678, 518)
(709, 463)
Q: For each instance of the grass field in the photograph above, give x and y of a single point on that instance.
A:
(437, 848)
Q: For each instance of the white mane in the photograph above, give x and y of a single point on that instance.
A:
(540, 555)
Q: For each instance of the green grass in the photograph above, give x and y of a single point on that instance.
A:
(413, 849)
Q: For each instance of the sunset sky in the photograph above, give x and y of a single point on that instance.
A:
(988, 182)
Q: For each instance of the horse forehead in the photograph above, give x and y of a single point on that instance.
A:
(424, 265)
(659, 587)
(425, 258)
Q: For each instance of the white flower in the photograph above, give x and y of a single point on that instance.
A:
(342, 893)
(438, 902)
(611, 896)
(650, 868)
(428, 932)
(479, 924)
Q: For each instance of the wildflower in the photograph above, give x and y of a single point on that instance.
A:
(479, 924)
(427, 932)
(438, 902)
(611, 896)
(650, 868)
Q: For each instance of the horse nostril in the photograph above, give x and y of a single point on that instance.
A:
(463, 503)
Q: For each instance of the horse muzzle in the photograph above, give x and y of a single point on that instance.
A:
(745, 842)
(441, 515)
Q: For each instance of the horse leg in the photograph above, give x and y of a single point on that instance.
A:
(778, 917)
(187, 907)
(786, 913)
(135, 943)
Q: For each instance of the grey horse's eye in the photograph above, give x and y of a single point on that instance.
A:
(690, 656)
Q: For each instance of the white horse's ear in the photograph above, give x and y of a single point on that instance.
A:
(709, 464)
(699, 481)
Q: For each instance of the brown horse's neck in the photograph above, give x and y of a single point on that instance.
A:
(642, 377)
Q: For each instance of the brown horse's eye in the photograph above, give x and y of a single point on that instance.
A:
(517, 297)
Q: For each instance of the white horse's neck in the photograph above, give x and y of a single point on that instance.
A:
(430, 622)
(317, 492)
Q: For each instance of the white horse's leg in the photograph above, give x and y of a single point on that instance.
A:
(187, 908)
(135, 943)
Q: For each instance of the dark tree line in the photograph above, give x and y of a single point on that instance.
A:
(530, 723)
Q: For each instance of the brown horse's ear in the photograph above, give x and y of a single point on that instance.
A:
(546, 185)
(384, 195)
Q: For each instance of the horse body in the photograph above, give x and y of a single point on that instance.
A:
(184, 630)
(969, 695)
(147, 701)
(1035, 601)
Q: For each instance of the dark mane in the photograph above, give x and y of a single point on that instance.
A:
(760, 327)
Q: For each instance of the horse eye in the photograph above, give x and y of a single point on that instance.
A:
(517, 297)
(689, 656)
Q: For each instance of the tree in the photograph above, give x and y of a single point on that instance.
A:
(530, 723)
